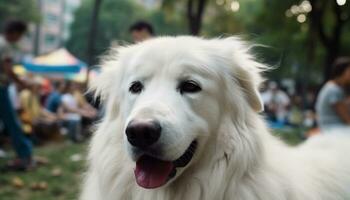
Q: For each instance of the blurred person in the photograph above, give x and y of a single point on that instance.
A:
(13, 32)
(71, 114)
(54, 99)
(276, 102)
(295, 115)
(83, 104)
(3, 153)
(141, 31)
(46, 90)
(90, 111)
(309, 119)
(13, 94)
(38, 121)
(333, 102)
(310, 98)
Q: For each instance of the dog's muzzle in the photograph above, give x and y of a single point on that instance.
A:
(151, 171)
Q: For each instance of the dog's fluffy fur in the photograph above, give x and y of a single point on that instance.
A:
(237, 158)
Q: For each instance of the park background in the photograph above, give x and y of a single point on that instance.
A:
(299, 38)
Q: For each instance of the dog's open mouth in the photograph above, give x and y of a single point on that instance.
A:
(151, 172)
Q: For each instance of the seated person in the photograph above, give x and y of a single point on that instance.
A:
(332, 106)
(53, 101)
(71, 114)
(82, 103)
(33, 115)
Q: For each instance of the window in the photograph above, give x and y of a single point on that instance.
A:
(51, 18)
(50, 39)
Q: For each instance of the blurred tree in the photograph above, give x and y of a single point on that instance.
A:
(194, 12)
(91, 39)
(263, 22)
(18, 9)
(165, 24)
(304, 35)
(327, 21)
(299, 43)
(114, 21)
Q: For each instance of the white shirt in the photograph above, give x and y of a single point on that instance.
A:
(7, 51)
(69, 101)
(279, 100)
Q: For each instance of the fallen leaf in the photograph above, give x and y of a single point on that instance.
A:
(76, 157)
(43, 185)
(17, 182)
(40, 160)
(56, 171)
(34, 186)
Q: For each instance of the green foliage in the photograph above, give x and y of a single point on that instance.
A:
(165, 24)
(289, 45)
(26, 10)
(114, 21)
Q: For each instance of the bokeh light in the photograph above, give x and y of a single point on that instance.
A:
(301, 18)
(341, 2)
(235, 6)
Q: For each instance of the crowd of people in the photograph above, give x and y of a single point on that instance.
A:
(60, 108)
(324, 110)
(283, 108)
(35, 109)
(51, 109)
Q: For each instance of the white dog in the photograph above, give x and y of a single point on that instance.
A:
(182, 123)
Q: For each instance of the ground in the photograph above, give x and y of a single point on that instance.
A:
(68, 159)
(63, 157)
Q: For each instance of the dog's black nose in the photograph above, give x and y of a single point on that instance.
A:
(143, 134)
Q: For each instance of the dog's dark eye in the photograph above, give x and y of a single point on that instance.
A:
(136, 87)
(189, 86)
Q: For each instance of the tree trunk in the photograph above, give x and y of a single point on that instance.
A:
(93, 31)
(332, 54)
(332, 41)
(195, 10)
(92, 36)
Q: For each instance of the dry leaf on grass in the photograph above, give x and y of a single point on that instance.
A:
(40, 160)
(76, 157)
(17, 182)
(56, 171)
(42, 185)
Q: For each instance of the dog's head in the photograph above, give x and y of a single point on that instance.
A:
(171, 94)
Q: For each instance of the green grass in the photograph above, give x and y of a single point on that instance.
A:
(66, 186)
(292, 136)
(62, 187)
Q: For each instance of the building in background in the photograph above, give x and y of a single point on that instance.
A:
(54, 28)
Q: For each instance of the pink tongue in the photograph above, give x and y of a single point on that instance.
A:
(151, 172)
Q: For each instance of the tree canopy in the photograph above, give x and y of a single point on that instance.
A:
(18, 9)
(114, 22)
(299, 37)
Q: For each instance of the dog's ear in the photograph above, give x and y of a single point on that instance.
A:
(246, 71)
(102, 83)
(249, 82)
(106, 85)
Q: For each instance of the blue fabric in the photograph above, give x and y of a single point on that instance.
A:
(73, 128)
(53, 101)
(8, 115)
(54, 69)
